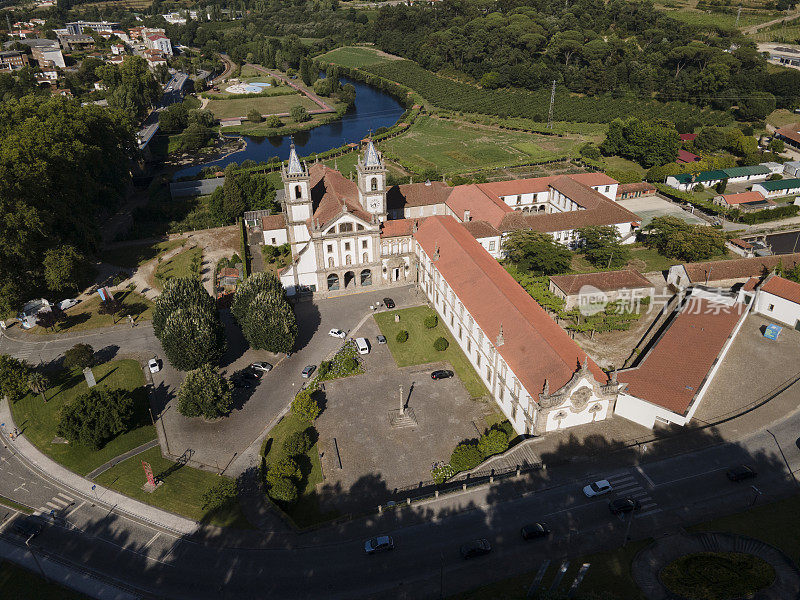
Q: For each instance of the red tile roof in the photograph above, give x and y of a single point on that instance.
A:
(673, 372)
(481, 205)
(398, 227)
(493, 299)
(273, 222)
(608, 281)
(330, 192)
(791, 132)
(688, 137)
(741, 243)
(742, 268)
(782, 288)
(593, 179)
(480, 229)
(750, 284)
(684, 156)
(417, 194)
(743, 197)
(628, 188)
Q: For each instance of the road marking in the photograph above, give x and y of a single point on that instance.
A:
(54, 506)
(152, 539)
(59, 501)
(646, 478)
(581, 574)
(67, 498)
(538, 579)
(649, 512)
(69, 514)
(559, 576)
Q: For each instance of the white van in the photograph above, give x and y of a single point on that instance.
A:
(363, 345)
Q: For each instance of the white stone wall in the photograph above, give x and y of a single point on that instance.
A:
(275, 237)
(775, 307)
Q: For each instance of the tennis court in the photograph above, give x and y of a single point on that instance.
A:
(650, 207)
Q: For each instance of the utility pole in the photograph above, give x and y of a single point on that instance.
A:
(552, 101)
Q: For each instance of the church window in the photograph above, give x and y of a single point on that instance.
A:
(359, 227)
(330, 247)
(405, 247)
(459, 332)
(347, 245)
(364, 244)
(491, 246)
(519, 199)
(345, 227)
(298, 191)
(373, 184)
(365, 257)
(348, 260)
(478, 359)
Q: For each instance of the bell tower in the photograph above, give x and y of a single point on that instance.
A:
(372, 182)
(297, 196)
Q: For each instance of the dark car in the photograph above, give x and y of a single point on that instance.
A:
(244, 379)
(741, 473)
(620, 506)
(442, 374)
(28, 526)
(388, 302)
(381, 339)
(534, 531)
(476, 548)
(308, 370)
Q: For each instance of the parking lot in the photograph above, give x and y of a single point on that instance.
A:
(650, 207)
(376, 458)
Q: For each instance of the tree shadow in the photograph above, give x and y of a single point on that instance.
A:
(106, 354)
(308, 322)
(106, 375)
(236, 343)
(181, 462)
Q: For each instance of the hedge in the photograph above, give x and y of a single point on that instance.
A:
(431, 321)
(441, 344)
(402, 336)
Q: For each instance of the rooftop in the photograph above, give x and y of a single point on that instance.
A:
(718, 270)
(780, 184)
(743, 197)
(608, 281)
(782, 288)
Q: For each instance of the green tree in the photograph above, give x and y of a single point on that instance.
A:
(267, 319)
(466, 456)
(274, 121)
(285, 467)
(756, 106)
(95, 418)
(284, 490)
(254, 116)
(79, 356)
(776, 145)
(299, 114)
(675, 238)
(194, 137)
(649, 143)
(298, 443)
(601, 246)
(220, 495)
(174, 118)
(305, 70)
(13, 378)
(440, 344)
(132, 89)
(305, 406)
(493, 442)
(536, 252)
(347, 94)
(38, 384)
(205, 393)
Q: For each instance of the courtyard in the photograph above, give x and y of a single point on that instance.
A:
(650, 207)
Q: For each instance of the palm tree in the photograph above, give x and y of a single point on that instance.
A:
(38, 384)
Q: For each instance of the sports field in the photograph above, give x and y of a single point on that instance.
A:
(650, 207)
(453, 147)
(266, 105)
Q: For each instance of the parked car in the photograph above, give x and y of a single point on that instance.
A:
(534, 531)
(475, 548)
(28, 526)
(337, 333)
(253, 373)
(262, 367)
(381, 339)
(388, 302)
(382, 543)
(620, 506)
(363, 345)
(598, 488)
(154, 365)
(68, 303)
(244, 379)
(442, 374)
(308, 370)
(741, 473)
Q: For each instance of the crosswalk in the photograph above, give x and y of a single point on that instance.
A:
(56, 504)
(626, 485)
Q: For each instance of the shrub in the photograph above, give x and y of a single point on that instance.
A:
(402, 336)
(466, 456)
(442, 473)
(431, 321)
(298, 443)
(305, 406)
(96, 417)
(274, 121)
(205, 393)
(299, 114)
(775, 177)
(441, 344)
(283, 490)
(219, 495)
(286, 468)
(699, 187)
(254, 116)
(79, 356)
(492, 442)
(324, 367)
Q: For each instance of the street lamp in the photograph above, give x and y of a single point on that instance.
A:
(33, 554)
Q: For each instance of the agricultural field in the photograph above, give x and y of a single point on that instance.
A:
(356, 56)
(789, 33)
(782, 117)
(723, 20)
(266, 105)
(452, 147)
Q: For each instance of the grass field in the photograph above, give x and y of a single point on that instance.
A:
(643, 259)
(38, 420)
(136, 255)
(354, 56)
(266, 105)
(782, 117)
(789, 33)
(179, 265)
(86, 316)
(418, 350)
(181, 493)
(452, 147)
(346, 165)
(702, 18)
(618, 163)
(306, 511)
(20, 584)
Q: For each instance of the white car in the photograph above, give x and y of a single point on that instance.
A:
(154, 365)
(68, 303)
(598, 488)
(337, 333)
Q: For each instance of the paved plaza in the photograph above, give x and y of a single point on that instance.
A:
(650, 207)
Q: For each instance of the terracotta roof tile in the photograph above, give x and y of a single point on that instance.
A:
(330, 191)
(272, 222)
(480, 229)
(675, 369)
(640, 186)
(398, 227)
(782, 288)
(743, 197)
(482, 206)
(417, 194)
(742, 268)
(608, 281)
(791, 132)
(493, 299)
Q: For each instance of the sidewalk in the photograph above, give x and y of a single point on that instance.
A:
(115, 501)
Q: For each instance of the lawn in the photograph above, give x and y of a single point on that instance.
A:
(724, 20)
(306, 511)
(346, 165)
(289, 126)
(354, 56)
(608, 572)
(266, 105)
(18, 583)
(457, 147)
(418, 350)
(782, 117)
(617, 163)
(85, 315)
(181, 493)
(179, 265)
(38, 420)
(717, 575)
(135, 255)
(643, 259)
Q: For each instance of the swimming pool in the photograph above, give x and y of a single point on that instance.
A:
(251, 87)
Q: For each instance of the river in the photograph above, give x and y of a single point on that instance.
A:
(372, 109)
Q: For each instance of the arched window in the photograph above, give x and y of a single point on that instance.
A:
(333, 281)
(359, 227)
(373, 184)
(365, 257)
(348, 260)
(298, 191)
(330, 261)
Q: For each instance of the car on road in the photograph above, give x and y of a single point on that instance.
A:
(741, 473)
(388, 302)
(620, 506)
(598, 488)
(534, 531)
(441, 374)
(337, 333)
(68, 303)
(261, 367)
(381, 339)
(475, 548)
(28, 527)
(308, 370)
(154, 365)
(382, 543)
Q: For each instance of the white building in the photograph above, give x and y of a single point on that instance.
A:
(159, 42)
(779, 299)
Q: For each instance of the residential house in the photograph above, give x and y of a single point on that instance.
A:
(744, 201)
(627, 286)
(726, 273)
